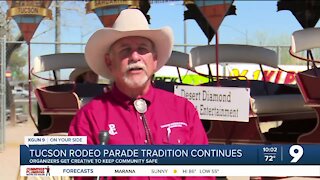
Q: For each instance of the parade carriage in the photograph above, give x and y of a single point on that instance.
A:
(59, 99)
(306, 41)
(269, 101)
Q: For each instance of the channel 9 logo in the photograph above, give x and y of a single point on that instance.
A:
(296, 151)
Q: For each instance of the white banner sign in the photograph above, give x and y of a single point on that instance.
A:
(218, 103)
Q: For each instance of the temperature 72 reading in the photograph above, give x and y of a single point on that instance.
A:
(269, 158)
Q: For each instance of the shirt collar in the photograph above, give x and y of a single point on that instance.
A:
(125, 100)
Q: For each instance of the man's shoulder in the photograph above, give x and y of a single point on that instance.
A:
(93, 104)
(162, 92)
(173, 101)
(168, 96)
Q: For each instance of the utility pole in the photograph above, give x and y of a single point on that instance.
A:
(58, 27)
(185, 29)
(57, 35)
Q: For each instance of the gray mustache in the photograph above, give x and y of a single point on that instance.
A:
(136, 65)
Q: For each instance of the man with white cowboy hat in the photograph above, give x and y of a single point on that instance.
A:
(133, 111)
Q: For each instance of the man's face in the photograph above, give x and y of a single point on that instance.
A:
(132, 61)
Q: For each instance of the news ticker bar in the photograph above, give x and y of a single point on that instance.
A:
(172, 170)
(170, 155)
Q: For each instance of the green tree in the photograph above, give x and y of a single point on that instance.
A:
(17, 62)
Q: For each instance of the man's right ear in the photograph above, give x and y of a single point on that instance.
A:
(107, 60)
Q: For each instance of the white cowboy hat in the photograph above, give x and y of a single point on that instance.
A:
(130, 22)
(76, 72)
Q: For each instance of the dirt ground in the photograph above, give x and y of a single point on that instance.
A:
(10, 157)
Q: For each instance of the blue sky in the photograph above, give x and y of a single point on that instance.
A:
(253, 17)
(256, 22)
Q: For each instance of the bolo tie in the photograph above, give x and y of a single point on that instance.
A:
(141, 107)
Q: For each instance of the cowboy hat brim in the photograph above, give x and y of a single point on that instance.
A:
(100, 42)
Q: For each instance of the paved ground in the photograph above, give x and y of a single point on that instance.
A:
(9, 158)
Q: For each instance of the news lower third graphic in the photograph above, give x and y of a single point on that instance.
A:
(71, 157)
